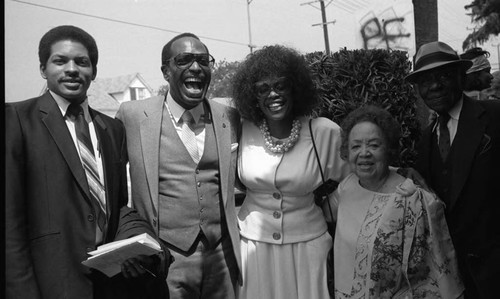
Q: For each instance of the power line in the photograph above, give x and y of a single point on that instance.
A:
(127, 23)
(350, 6)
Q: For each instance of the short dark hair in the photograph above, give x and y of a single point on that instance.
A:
(165, 52)
(67, 32)
(390, 128)
(274, 60)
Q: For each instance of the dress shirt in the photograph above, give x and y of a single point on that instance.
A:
(453, 122)
(175, 111)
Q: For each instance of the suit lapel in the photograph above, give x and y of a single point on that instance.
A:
(223, 142)
(150, 141)
(423, 160)
(56, 125)
(469, 133)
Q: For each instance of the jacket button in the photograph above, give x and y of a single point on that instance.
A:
(154, 221)
(276, 236)
(198, 184)
(197, 171)
(276, 195)
(90, 218)
(276, 214)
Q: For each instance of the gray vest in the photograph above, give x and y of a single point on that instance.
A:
(189, 194)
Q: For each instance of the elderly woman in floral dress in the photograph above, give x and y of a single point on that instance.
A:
(391, 239)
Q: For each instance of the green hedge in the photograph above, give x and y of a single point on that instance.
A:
(348, 79)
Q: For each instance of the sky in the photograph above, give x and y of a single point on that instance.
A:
(131, 33)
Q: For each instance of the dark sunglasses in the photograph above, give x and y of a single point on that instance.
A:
(442, 77)
(263, 89)
(185, 60)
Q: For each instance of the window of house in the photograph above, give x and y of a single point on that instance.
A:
(137, 93)
(142, 93)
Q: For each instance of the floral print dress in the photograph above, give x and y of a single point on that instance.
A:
(394, 245)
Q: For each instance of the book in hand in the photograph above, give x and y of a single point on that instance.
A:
(109, 257)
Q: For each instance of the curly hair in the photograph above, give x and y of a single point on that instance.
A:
(273, 60)
(67, 32)
(390, 128)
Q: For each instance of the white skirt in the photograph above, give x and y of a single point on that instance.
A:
(288, 271)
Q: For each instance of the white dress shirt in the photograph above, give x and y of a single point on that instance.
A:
(175, 111)
(453, 122)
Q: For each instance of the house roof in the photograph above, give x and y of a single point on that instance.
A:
(119, 84)
(99, 98)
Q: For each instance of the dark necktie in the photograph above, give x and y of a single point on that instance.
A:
(89, 163)
(444, 135)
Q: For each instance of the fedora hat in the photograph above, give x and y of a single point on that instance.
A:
(433, 55)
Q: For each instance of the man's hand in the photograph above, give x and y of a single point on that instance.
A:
(139, 266)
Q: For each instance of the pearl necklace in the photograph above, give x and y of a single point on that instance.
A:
(280, 146)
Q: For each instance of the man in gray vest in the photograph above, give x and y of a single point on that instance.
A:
(182, 151)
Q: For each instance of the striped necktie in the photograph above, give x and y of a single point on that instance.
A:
(89, 163)
(188, 136)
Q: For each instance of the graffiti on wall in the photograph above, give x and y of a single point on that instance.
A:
(386, 30)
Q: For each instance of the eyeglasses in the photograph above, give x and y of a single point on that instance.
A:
(441, 77)
(185, 60)
(263, 88)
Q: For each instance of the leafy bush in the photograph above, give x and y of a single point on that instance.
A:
(220, 86)
(348, 79)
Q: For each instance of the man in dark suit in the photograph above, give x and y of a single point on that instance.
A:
(66, 187)
(182, 150)
(459, 157)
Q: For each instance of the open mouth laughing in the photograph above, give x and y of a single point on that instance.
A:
(194, 85)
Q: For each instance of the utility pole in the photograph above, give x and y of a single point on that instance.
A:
(425, 15)
(426, 22)
(250, 45)
(324, 22)
(498, 54)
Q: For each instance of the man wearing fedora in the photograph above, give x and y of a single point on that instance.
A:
(459, 157)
